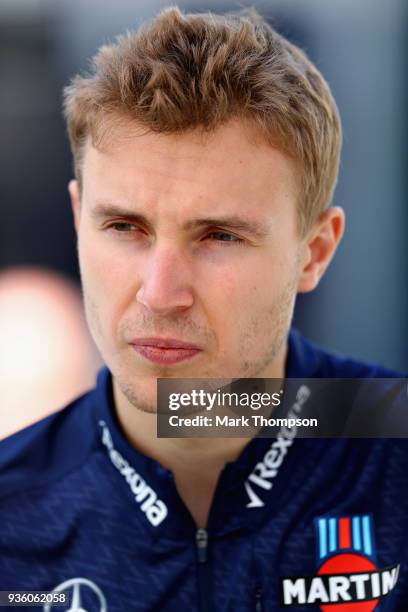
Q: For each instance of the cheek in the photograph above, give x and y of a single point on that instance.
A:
(105, 282)
(96, 262)
(253, 297)
(234, 294)
(250, 282)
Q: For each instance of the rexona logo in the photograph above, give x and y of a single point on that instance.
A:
(154, 509)
(266, 471)
(347, 577)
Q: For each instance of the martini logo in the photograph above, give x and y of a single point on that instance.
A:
(347, 577)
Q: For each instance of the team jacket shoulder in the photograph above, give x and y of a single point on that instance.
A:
(48, 449)
(313, 361)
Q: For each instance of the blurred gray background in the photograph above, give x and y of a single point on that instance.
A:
(361, 47)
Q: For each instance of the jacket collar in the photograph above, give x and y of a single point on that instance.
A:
(238, 504)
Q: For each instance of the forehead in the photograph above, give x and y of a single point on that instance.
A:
(231, 164)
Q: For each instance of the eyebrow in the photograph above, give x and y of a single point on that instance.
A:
(234, 222)
(105, 211)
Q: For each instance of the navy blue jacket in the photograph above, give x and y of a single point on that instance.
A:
(295, 524)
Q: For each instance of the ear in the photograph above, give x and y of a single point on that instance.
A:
(320, 245)
(73, 190)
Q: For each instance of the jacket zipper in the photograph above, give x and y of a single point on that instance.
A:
(202, 544)
(203, 569)
(258, 599)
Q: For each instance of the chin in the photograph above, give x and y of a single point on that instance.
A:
(140, 391)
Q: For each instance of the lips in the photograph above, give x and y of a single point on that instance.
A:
(164, 351)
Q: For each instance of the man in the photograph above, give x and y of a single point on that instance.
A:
(206, 153)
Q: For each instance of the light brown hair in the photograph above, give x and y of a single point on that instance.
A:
(187, 71)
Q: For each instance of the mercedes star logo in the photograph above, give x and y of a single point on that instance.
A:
(78, 585)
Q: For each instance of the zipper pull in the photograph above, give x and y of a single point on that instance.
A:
(258, 599)
(202, 544)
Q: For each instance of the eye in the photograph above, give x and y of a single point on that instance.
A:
(220, 236)
(122, 226)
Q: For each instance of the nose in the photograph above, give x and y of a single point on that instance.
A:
(166, 281)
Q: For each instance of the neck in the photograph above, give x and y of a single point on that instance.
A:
(196, 463)
(140, 429)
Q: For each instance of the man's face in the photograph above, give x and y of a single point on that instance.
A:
(189, 256)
